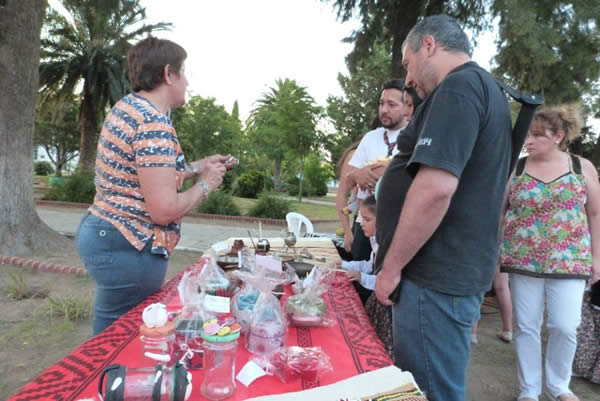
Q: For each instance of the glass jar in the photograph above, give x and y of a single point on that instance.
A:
(160, 383)
(219, 366)
(157, 342)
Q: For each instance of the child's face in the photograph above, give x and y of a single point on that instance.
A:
(368, 222)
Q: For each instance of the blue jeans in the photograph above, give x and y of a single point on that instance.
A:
(432, 339)
(124, 276)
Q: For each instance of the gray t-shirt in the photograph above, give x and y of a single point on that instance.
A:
(463, 127)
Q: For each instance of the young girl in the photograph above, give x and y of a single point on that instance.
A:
(362, 272)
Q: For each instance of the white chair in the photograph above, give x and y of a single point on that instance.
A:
(295, 221)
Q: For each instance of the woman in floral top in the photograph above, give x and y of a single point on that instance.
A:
(550, 247)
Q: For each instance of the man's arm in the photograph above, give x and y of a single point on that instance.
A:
(426, 205)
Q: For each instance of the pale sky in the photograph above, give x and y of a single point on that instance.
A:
(238, 48)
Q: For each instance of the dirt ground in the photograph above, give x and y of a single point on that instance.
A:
(33, 338)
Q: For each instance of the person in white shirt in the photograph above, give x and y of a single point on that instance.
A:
(370, 160)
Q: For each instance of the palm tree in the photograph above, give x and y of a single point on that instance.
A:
(284, 123)
(92, 49)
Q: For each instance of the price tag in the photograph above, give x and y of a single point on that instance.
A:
(217, 304)
(269, 263)
(250, 372)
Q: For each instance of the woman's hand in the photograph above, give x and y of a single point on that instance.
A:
(212, 173)
(201, 164)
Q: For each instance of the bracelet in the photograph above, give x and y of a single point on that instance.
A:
(205, 189)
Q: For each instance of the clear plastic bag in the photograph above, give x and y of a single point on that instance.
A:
(243, 305)
(213, 281)
(292, 363)
(308, 308)
(267, 328)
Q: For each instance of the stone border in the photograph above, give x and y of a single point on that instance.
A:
(245, 219)
(41, 265)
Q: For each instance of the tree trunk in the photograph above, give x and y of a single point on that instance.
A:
(88, 122)
(277, 176)
(408, 14)
(21, 230)
(301, 180)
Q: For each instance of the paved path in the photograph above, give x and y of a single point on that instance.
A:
(196, 234)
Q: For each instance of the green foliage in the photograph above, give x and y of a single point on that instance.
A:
(249, 184)
(270, 205)
(43, 168)
(352, 113)
(389, 21)
(316, 176)
(283, 123)
(549, 47)
(205, 128)
(91, 49)
(293, 187)
(219, 202)
(18, 289)
(78, 188)
(56, 128)
(69, 307)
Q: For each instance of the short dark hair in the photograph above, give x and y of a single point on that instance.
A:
(444, 29)
(370, 204)
(146, 62)
(416, 99)
(394, 84)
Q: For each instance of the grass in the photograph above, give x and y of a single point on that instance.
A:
(41, 180)
(18, 289)
(326, 198)
(69, 307)
(312, 211)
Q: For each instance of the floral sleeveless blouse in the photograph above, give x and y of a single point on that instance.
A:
(546, 232)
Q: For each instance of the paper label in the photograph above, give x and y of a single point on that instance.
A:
(269, 263)
(217, 304)
(250, 372)
(220, 247)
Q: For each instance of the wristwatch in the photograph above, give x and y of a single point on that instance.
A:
(205, 189)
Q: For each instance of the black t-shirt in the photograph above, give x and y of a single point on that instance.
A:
(463, 127)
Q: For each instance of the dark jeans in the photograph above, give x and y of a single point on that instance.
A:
(124, 276)
(432, 339)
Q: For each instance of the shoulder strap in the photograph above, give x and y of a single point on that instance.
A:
(520, 166)
(576, 163)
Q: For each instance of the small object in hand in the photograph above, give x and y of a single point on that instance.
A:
(231, 162)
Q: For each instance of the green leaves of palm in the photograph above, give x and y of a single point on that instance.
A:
(92, 47)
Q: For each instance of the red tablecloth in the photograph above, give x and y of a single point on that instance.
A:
(351, 344)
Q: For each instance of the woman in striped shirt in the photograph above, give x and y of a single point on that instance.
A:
(133, 225)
